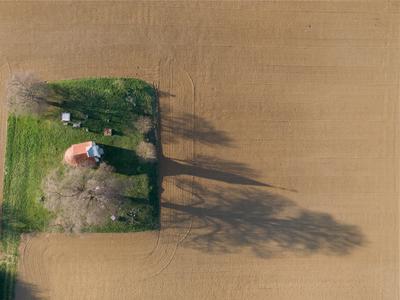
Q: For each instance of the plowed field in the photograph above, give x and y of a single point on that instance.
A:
(279, 125)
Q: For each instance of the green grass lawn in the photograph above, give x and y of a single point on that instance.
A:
(100, 103)
(37, 145)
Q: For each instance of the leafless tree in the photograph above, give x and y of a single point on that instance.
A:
(143, 124)
(81, 197)
(146, 152)
(26, 93)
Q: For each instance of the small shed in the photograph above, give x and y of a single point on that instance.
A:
(66, 117)
(108, 132)
(86, 154)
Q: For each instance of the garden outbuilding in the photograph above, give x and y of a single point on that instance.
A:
(86, 154)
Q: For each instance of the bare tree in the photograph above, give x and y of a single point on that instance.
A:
(146, 152)
(26, 93)
(82, 197)
(143, 124)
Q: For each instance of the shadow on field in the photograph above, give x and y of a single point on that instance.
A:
(228, 220)
(188, 126)
(243, 215)
(164, 94)
(23, 290)
(214, 169)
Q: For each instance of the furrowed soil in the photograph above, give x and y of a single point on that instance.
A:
(279, 125)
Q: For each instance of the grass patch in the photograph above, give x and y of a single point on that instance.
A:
(101, 103)
(37, 145)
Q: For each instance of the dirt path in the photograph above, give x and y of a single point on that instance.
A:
(279, 139)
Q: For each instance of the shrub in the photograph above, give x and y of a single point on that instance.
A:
(143, 124)
(146, 152)
(26, 93)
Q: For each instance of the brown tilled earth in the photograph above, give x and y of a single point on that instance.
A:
(280, 148)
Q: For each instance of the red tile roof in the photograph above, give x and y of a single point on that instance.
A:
(76, 155)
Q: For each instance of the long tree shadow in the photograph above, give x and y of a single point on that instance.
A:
(214, 169)
(228, 220)
(187, 126)
(125, 161)
(245, 215)
(22, 291)
(26, 291)
(164, 94)
(191, 127)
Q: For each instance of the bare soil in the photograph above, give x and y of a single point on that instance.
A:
(280, 147)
